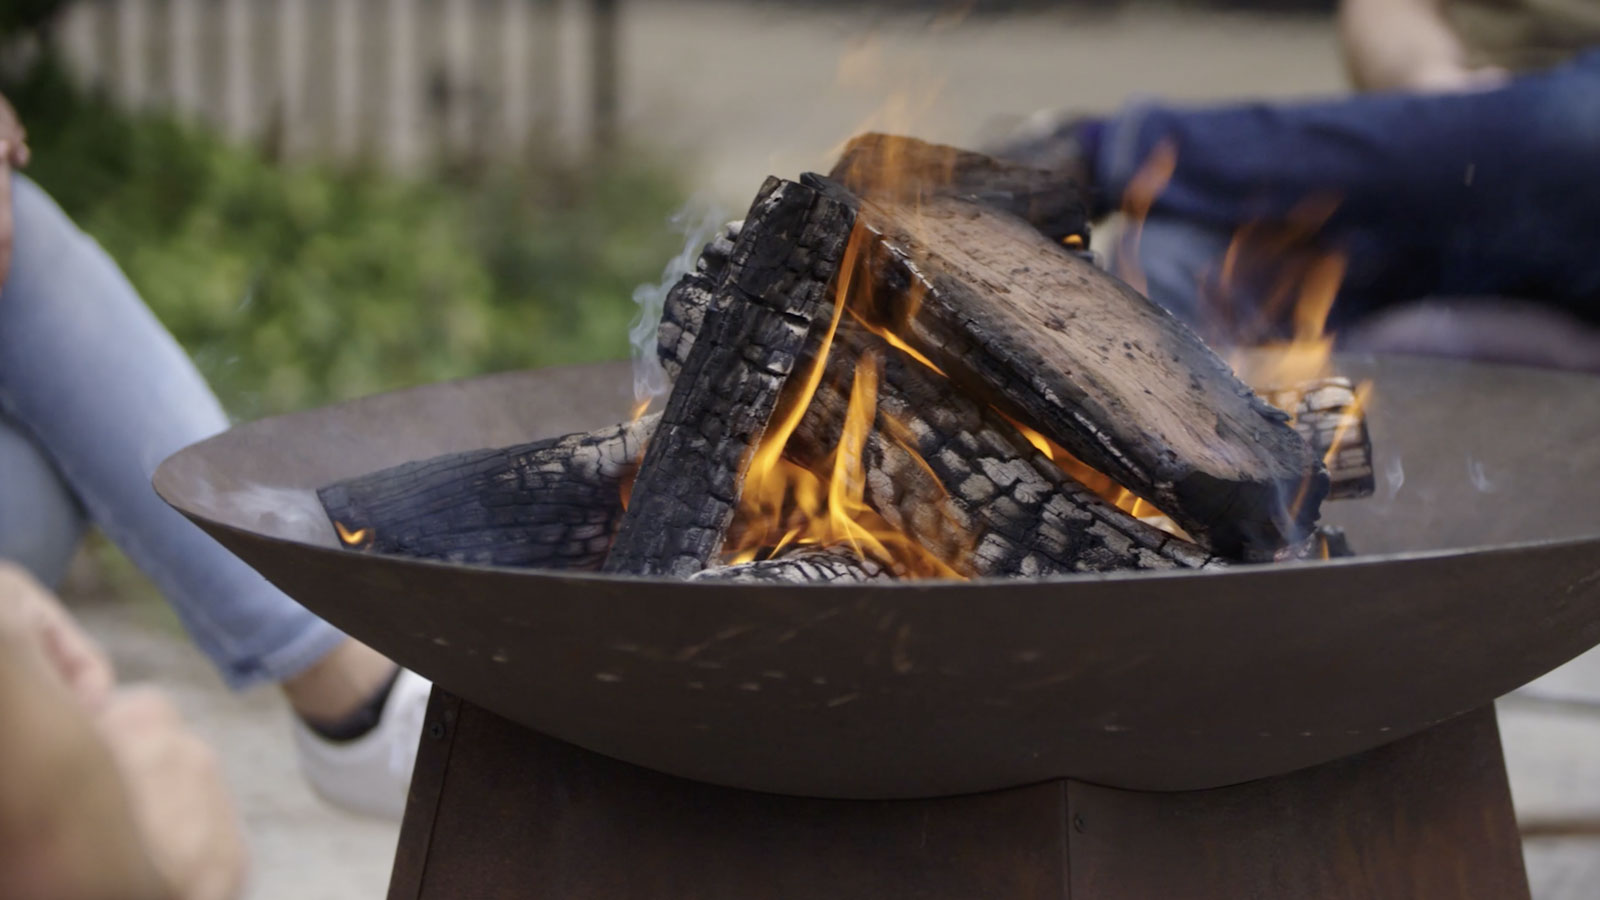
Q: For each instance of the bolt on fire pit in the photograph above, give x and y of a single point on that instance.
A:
(1213, 729)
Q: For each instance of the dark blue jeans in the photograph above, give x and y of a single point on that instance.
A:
(1495, 193)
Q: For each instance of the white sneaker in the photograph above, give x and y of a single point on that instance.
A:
(371, 774)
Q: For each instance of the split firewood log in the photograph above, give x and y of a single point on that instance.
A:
(688, 300)
(961, 480)
(553, 504)
(902, 170)
(1230, 477)
(762, 317)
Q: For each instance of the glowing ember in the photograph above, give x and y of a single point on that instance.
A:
(357, 538)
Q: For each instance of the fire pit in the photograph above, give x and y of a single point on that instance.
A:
(1136, 711)
(1483, 572)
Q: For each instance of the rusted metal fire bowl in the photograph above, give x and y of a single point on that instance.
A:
(1482, 571)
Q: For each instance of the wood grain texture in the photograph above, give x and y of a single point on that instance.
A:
(1019, 321)
(899, 169)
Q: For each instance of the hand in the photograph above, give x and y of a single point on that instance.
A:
(1452, 77)
(13, 137)
(180, 806)
(30, 613)
(14, 153)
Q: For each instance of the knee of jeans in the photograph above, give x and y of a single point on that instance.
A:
(41, 520)
(42, 229)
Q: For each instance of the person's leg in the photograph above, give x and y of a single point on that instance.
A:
(107, 394)
(1466, 194)
(41, 522)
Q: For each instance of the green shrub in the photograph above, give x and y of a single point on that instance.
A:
(294, 285)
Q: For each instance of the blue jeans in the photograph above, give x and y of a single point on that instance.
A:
(94, 393)
(1495, 193)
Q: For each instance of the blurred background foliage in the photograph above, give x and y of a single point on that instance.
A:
(298, 284)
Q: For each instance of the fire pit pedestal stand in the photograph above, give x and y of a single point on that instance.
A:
(498, 810)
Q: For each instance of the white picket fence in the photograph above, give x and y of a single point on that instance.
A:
(401, 81)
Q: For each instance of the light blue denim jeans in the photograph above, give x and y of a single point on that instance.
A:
(94, 394)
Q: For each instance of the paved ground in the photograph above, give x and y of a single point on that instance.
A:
(303, 848)
(750, 90)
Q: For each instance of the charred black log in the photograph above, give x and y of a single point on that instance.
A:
(955, 475)
(1324, 542)
(687, 301)
(899, 169)
(1022, 323)
(551, 504)
(769, 308)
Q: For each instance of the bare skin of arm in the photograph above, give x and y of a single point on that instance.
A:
(103, 792)
(1407, 45)
(66, 825)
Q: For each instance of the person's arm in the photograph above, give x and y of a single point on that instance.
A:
(14, 153)
(66, 827)
(1407, 45)
(103, 792)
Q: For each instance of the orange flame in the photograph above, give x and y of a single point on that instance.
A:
(784, 504)
(1100, 483)
(1137, 200)
(625, 484)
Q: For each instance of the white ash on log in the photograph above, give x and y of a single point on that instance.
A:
(553, 504)
(807, 565)
(687, 301)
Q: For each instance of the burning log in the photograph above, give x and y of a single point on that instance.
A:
(758, 324)
(920, 378)
(962, 480)
(1022, 323)
(553, 503)
(688, 300)
(1331, 416)
(895, 169)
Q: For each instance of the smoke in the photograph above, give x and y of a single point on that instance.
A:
(697, 221)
